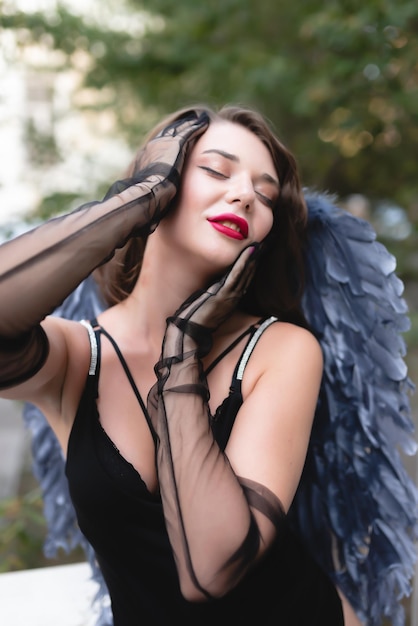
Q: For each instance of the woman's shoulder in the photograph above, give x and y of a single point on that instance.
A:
(288, 331)
(286, 345)
(72, 332)
(284, 338)
(72, 338)
(274, 336)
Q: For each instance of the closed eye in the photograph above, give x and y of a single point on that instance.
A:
(268, 201)
(213, 172)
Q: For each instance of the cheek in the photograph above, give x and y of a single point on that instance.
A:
(265, 225)
(191, 197)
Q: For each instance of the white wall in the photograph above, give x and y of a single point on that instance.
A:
(52, 596)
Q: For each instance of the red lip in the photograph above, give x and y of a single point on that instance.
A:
(234, 219)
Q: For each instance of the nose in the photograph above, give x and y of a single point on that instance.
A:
(241, 191)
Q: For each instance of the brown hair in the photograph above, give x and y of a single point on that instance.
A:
(278, 284)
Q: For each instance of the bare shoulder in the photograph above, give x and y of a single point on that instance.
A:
(57, 388)
(284, 341)
(77, 349)
(67, 336)
(284, 352)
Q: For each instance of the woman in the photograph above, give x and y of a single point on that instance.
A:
(180, 409)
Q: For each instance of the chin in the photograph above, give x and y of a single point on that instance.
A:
(213, 265)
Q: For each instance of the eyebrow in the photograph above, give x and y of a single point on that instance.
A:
(235, 159)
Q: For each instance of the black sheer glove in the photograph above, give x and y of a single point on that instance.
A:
(212, 515)
(42, 267)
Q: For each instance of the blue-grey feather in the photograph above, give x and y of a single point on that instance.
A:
(356, 505)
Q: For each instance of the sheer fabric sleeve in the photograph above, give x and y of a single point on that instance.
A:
(212, 515)
(40, 268)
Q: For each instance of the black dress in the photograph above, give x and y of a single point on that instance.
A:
(125, 524)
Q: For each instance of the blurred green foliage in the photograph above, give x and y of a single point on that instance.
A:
(23, 532)
(22, 527)
(339, 80)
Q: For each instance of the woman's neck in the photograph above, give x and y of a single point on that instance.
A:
(166, 280)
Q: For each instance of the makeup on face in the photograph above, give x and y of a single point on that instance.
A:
(231, 225)
(266, 186)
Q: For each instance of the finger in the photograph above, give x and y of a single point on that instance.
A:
(189, 123)
(225, 292)
(241, 273)
(182, 131)
(169, 146)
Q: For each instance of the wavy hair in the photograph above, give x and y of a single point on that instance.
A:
(278, 283)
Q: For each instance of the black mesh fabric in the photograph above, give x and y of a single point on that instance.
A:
(42, 267)
(125, 523)
(217, 523)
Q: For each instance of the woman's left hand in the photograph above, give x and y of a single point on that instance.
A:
(211, 307)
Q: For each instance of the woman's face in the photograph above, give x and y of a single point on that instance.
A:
(228, 191)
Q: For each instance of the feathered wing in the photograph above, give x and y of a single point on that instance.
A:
(356, 506)
(49, 465)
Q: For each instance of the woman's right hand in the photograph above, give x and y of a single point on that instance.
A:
(157, 169)
(39, 269)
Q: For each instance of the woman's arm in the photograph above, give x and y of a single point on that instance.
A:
(224, 510)
(280, 388)
(56, 388)
(40, 268)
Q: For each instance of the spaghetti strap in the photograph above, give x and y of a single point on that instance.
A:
(239, 372)
(255, 331)
(95, 353)
(94, 348)
(94, 327)
(232, 345)
(127, 371)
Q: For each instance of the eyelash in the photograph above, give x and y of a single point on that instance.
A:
(214, 172)
(265, 199)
